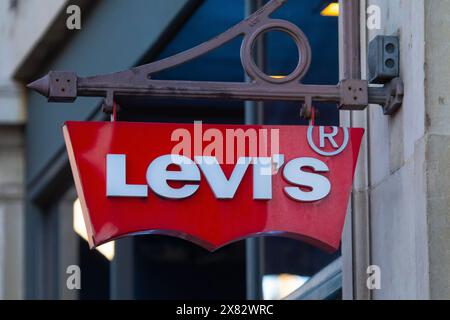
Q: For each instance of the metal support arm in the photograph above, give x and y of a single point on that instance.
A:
(351, 93)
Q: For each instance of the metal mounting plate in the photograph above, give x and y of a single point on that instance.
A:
(354, 94)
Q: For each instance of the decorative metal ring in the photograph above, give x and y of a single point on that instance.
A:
(304, 50)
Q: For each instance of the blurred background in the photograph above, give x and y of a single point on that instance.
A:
(41, 227)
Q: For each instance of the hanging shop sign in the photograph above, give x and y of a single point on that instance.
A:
(217, 184)
(213, 184)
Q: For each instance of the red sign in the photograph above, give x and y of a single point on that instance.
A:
(213, 184)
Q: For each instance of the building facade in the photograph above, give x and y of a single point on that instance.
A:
(397, 222)
(401, 198)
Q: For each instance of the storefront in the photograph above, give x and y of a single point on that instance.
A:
(117, 35)
(395, 240)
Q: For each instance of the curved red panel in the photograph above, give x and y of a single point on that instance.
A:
(201, 218)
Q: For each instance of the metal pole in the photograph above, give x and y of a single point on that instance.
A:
(254, 115)
(121, 270)
(350, 41)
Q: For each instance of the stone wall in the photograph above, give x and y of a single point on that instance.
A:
(11, 212)
(21, 27)
(400, 215)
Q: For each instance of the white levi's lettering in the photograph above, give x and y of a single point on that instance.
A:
(306, 186)
(116, 185)
(158, 175)
(222, 187)
(319, 184)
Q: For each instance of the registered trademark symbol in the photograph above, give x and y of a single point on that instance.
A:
(330, 136)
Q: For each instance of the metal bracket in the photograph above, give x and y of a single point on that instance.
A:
(383, 59)
(306, 110)
(354, 94)
(350, 94)
(394, 98)
(63, 86)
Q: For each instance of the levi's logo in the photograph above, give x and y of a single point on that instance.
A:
(159, 175)
(302, 173)
(213, 184)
